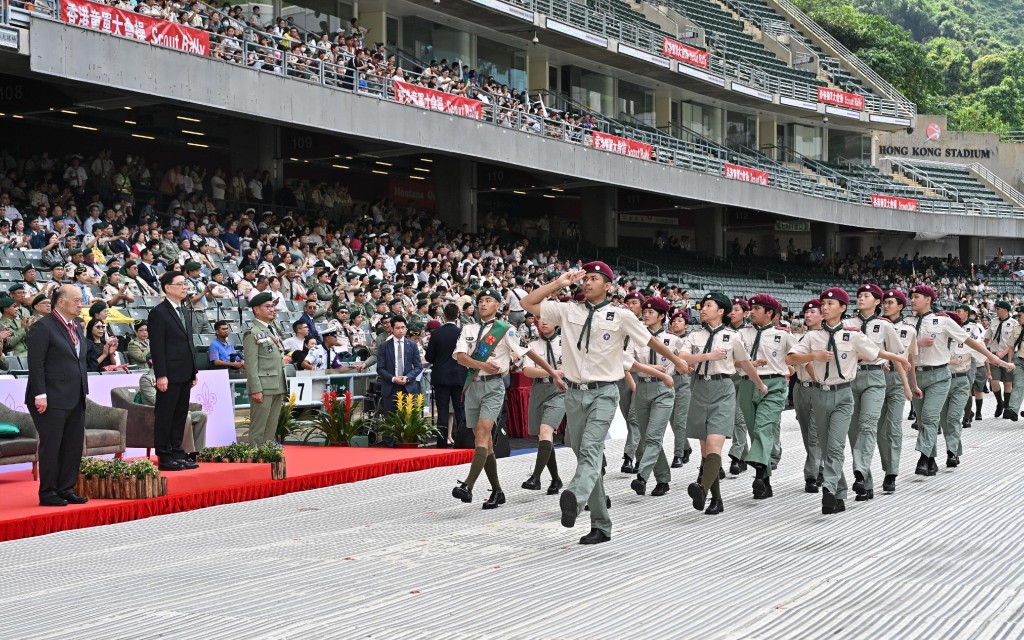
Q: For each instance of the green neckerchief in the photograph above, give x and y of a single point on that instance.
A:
(592, 308)
(486, 342)
(999, 330)
(833, 347)
(757, 339)
(653, 355)
(864, 321)
(921, 317)
(707, 345)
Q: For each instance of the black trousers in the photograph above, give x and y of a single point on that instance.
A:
(61, 442)
(169, 427)
(443, 394)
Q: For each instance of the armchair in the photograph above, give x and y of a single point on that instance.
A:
(142, 419)
(25, 447)
(104, 429)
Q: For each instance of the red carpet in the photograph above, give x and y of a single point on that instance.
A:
(212, 484)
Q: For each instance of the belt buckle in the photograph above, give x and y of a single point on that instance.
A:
(805, 385)
(707, 377)
(920, 368)
(826, 387)
(584, 386)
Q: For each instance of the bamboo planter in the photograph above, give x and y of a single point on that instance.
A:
(121, 487)
(277, 469)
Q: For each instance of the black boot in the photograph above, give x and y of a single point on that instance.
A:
(952, 460)
(496, 498)
(533, 484)
(639, 485)
(858, 483)
(922, 466)
(933, 467)
(889, 483)
(715, 507)
(463, 492)
(810, 485)
(627, 464)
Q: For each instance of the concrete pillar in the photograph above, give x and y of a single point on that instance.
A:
(455, 188)
(600, 224)
(823, 234)
(972, 250)
(257, 147)
(377, 22)
(709, 231)
(766, 135)
(537, 72)
(662, 109)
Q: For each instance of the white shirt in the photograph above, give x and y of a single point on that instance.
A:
(850, 345)
(725, 338)
(508, 346)
(602, 361)
(774, 346)
(939, 328)
(880, 331)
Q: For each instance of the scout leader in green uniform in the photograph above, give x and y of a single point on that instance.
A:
(547, 407)
(486, 350)
(681, 404)
(738, 318)
(592, 359)
(890, 419)
(832, 352)
(652, 400)
(264, 370)
(716, 351)
(634, 301)
(767, 347)
(932, 369)
(869, 388)
(804, 392)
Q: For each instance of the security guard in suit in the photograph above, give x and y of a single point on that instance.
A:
(264, 370)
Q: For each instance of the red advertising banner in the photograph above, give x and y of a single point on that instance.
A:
(624, 146)
(744, 174)
(841, 98)
(437, 100)
(892, 202)
(136, 26)
(684, 53)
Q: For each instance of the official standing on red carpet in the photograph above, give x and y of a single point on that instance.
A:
(55, 397)
(170, 343)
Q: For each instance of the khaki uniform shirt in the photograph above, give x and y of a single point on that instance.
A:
(960, 360)
(642, 353)
(850, 346)
(539, 346)
(1005, 340)
(726, 338)
(880, 331)
(264, 359)
(774, 346)
(939, 328)
(803, 371)
(138, 352)
(602, 362)
(506, 348)
(974, 330)
(908, 338)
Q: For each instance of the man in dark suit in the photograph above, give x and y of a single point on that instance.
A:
(308, 311)
(146, 270)
(398, 365)
(446, 375)
(55, 396)
(170, 343)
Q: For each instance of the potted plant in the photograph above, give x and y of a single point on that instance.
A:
(287, 424)
(120, 480)
(407, 424)
(334, 421)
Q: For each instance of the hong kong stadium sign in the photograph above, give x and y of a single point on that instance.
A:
(935, 152)
(136, 26)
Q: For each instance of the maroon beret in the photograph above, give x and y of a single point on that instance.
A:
(924, 290)
(766, 301)
(873, 289)
(660, 305)
(599, 267)
(896, 295)
(835, 293)
(742, 302)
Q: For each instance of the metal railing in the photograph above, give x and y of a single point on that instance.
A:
(986, 174)
(905, 107)
(700, 281)
(638, 262)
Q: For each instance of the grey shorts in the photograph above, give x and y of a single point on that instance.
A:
(980, 379)
(547, 406)
(1000, 374)
(483, 400)
(712, 408)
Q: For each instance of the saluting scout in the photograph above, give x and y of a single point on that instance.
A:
(547, 407)
(264, 370)
(804, 398)
(592, 359)
(932, 368)
(767, 347)
(890, 419)
(869, 387)
(716, 351)
(681, 405)
(833, 352)
(486, 350)
(653, 400)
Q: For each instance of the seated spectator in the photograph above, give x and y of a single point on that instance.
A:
(138, 347)
(297, 342)
(223, 354)
(101, 352)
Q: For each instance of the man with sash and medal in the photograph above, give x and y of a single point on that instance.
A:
(264, 370)
(486, 350)
(592, 359)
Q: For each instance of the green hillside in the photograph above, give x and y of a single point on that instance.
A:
(961, 58)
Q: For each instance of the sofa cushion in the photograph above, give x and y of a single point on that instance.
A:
(8, 430)
(17, 447)
(96, 438)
